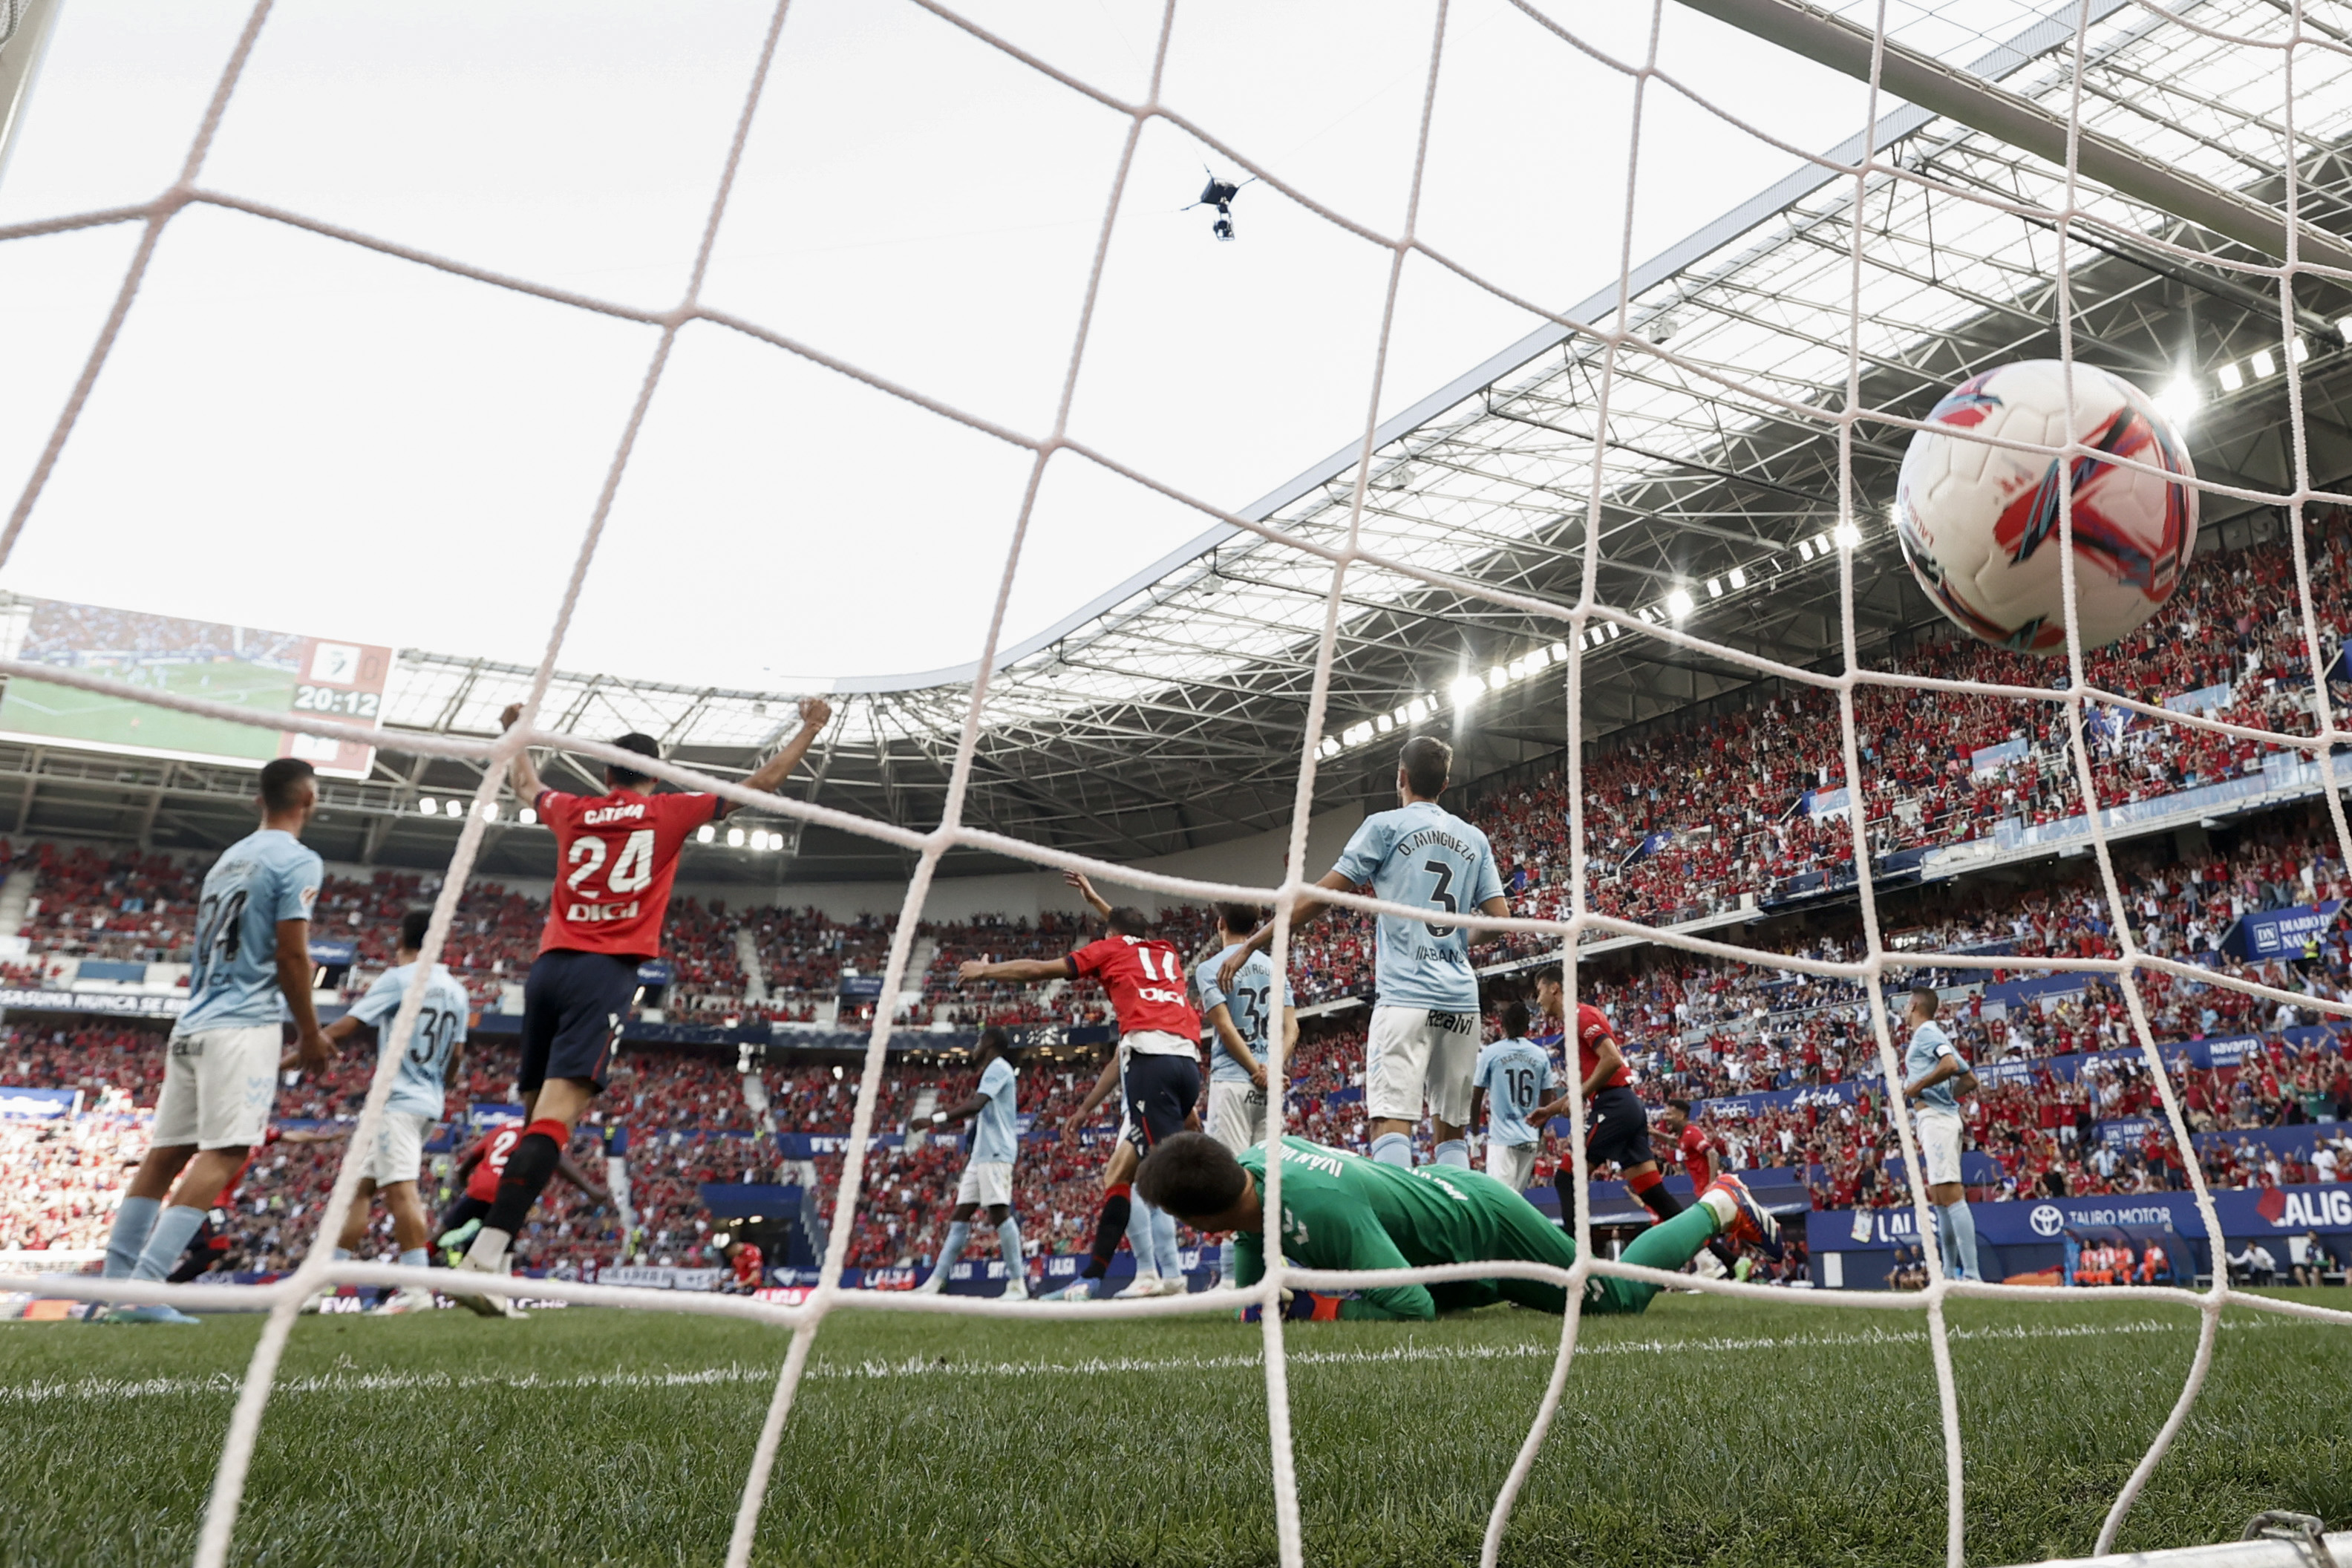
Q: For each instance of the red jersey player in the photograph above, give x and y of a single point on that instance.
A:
(481, 1166)
(616, 856)
(1616, 1126)
(748, 1264)
(1693, 1147)
(1156, 1067)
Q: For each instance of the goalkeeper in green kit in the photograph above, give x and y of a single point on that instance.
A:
(1343, 1211)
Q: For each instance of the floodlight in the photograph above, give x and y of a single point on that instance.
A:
(1679, 602)
(2179, 402)
(1466, 689)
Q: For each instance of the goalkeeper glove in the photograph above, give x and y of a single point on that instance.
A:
(1302, 1307)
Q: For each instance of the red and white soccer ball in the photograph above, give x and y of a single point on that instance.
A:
(1979, 523)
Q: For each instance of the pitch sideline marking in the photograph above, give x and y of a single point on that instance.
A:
(95, 1389)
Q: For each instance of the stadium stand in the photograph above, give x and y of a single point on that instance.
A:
(1685, 818)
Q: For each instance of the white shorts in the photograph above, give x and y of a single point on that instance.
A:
(986, 1183)
(399, 1151)
(1514, 1163)
(218, 1086)
(1940, 1143)
(1236, 1114)
(1413, 1053)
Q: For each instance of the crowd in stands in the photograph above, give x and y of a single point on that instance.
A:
(65, 1175)
(1683, 821)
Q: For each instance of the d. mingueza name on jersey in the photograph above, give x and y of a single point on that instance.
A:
(1423, 838)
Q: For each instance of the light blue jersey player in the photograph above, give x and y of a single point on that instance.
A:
(1238, 1017)
(419, 1089)
(220, 1069)
(995, 1111)
(1423, 1040)
(1933, 1076)
(1517, 1081)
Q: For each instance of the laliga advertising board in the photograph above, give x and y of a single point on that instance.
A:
(244, 667)
(2273, 1211)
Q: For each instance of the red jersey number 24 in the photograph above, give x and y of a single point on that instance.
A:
(632, 870)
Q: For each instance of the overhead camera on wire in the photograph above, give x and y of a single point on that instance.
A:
(1220, 194)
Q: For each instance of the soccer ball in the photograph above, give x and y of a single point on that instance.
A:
(1979, 523)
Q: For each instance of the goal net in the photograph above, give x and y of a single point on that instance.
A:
(1970, 135)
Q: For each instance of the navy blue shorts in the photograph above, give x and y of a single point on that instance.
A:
(574, 1005)
(1158, 1093)
(1617, 1128)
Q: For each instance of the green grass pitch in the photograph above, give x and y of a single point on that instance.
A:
(69, 713)
(1705, 1432)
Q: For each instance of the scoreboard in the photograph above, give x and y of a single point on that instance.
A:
(268, 672)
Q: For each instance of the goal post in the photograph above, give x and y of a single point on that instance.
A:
(24, 26)
(1582, 619)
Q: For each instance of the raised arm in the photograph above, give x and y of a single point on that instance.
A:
(1016, 969)
(1305, 910)
(523, 774)
(815, 711)
(1094, 901)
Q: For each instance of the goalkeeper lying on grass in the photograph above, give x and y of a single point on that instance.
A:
(1342, 1211)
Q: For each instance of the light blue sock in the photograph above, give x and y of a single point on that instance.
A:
(174, 1228)
(1008, 1242)
(1143, 1237)
(1452, 1151)
(342, 1255)
(133, 1224)
(952, 1245)
(1393, 1149)
(416, 1258)
(1163, 1238)
(1963, 1226)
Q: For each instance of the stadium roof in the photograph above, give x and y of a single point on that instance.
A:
(1169, 713)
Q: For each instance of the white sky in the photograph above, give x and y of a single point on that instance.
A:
(297, 433)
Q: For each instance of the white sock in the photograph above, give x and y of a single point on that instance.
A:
(174, 1228)
(133, 1223)
(1165, 1241)
(1008, 1242)
(1722, 1206)
(1142, 1239)
(490, 1249)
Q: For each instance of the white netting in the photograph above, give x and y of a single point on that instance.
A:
(1614, 341)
